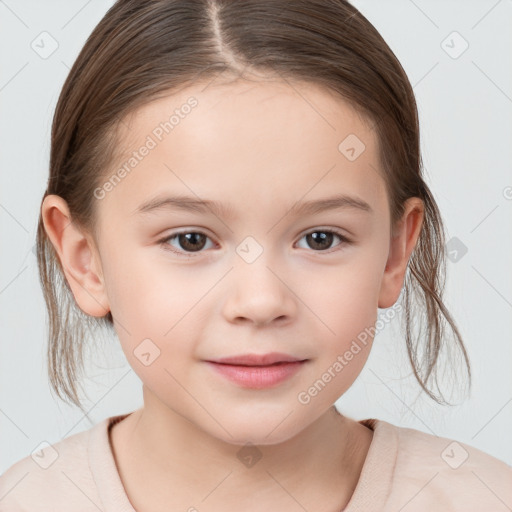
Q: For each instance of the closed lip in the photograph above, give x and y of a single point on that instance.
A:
(257, 359)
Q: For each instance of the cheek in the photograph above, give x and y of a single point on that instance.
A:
(159, 302)
(145, 290)
(156, 320)
(344, 300)
(345, 296)
(344, 341)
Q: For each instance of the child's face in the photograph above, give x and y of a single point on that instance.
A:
(258, 149)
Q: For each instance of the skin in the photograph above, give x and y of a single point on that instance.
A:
(260, 147)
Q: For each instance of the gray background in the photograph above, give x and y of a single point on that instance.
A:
(465, 105)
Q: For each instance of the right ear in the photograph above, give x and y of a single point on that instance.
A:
(78, 257)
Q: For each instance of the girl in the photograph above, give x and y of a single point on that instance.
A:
(235, 189)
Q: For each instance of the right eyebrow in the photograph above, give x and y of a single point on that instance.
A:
(188, 203)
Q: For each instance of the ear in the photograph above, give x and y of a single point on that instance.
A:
(78, 256)
(403, 241)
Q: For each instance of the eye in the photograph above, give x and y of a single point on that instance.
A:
(190, 241)
(321, 239)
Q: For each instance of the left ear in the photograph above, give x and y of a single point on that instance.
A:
(402, 243)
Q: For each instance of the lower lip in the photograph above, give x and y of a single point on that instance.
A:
(258, 377)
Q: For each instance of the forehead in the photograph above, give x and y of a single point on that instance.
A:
(247, 142)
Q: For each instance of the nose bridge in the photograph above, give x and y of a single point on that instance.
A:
(256, 290)
(254, 263)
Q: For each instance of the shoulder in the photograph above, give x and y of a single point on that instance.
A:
(52, 475)
(433, 472)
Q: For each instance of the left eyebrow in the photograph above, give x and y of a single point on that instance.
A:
(219, 209)
(337, 202)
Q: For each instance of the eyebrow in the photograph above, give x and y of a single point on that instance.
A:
(188, 203)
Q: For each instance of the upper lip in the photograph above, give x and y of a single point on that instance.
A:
(257, 359)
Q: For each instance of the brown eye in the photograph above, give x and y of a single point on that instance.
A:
(191, 241)
(187, 242)
(322, 239)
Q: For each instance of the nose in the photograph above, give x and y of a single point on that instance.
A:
(259, 294)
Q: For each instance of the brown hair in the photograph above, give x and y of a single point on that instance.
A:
(145, 49)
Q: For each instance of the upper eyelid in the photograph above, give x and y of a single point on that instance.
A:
(202, 231)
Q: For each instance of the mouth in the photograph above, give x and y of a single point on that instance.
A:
(269, 359)
(257, 371)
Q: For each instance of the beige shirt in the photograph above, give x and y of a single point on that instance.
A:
(405, 470)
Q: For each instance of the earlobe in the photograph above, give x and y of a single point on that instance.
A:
(401, 246)
(77, 255)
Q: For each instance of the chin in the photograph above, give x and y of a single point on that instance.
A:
(260, 432)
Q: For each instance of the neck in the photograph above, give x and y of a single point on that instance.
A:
(175, 462)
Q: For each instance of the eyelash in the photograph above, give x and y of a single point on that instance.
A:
(164, 242)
